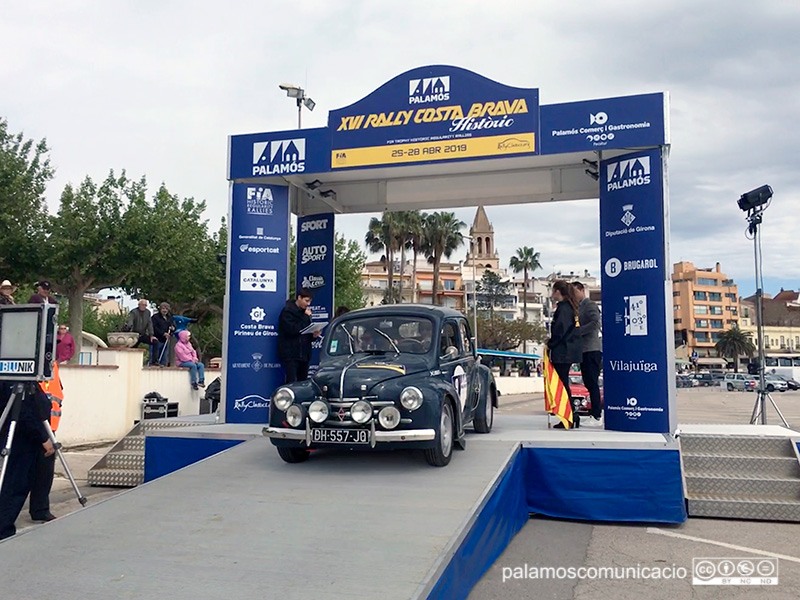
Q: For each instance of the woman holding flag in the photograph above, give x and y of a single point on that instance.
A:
(564, 347)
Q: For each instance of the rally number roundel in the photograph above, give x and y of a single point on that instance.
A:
(460, 383)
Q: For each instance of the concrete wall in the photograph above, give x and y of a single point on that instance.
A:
(519, 385)
(103, 401)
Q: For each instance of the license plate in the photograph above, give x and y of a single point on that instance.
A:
(340, 436)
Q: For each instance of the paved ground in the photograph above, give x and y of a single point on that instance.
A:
(551, 543)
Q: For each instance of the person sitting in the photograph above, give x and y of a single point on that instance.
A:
(186, 356)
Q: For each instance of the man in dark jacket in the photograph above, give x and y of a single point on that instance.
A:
(30, 441)
(564, 344)
(163, 326)
(139, 321)
(294, 348)
(592, 346)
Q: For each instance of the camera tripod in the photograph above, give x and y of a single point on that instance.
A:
(20, 394)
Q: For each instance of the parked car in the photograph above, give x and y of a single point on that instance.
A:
(792, 384)
(774, 383)
(704, 379)
(581, 401)
(739, 382)
(685, 381)
(397, 376)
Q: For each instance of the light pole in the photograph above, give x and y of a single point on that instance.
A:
(295, 91)
(474, 292)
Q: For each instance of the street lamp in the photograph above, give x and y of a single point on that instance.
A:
(474, 292)
(295, 91)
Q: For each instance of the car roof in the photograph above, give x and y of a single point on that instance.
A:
(420, 310)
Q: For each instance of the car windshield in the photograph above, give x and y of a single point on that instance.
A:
(401, 335)
(575, 379)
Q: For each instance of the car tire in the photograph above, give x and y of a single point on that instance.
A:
(770, 388)
(293, 455)
(442, 452)
(730, 387)
(483, 422)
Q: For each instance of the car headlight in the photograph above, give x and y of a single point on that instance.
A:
(318, 411)
(294, 415)
(389, 417)
(361, 411)
(283, 398)
(411, 398)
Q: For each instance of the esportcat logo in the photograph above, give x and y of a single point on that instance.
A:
(429, 89)
(278, 157)
(632, 172)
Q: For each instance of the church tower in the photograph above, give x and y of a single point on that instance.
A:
(482, 244)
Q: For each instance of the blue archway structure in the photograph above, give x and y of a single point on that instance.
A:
(441, 137)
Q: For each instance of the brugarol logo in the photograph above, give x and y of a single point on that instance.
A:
(259, 201)
(430, 89)
(632, 172)
(278, 157)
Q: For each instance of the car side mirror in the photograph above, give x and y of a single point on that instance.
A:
(450, 353)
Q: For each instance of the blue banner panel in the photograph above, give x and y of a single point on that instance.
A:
(636, 371)
(595, 484)
(258, 263)
(165, 455)
(315, 270)
(279, 153)
(432, 114)
(625, 122)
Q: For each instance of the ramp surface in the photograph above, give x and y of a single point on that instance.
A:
(243, 525)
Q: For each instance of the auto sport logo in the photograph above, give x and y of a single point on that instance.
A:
(632, 172)
(258, 281)
(278, 157)
(429, 89)
(313, 254)
(259, 201)
(313, 282)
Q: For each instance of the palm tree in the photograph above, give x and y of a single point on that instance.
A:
(526, 260)
(734, 343)
(414, 221)
(403, 234)
(441, 237)
(382, 237)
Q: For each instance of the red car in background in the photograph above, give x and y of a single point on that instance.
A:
(581, 402)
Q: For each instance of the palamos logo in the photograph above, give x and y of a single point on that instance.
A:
(277, 157)
(429, 89)
(314, 254)
(628, 173)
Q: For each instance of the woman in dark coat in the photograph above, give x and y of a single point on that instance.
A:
(564, 344)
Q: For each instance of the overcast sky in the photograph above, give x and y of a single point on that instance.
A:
(155, 87)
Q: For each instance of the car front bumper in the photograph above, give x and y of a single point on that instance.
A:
(375, 436)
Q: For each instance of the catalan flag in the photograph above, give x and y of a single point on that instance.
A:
(556, 399)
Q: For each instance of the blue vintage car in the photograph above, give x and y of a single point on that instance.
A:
(397, 376)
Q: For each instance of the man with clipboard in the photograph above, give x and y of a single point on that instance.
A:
(295, 335)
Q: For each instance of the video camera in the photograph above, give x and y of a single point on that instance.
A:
(27, 341)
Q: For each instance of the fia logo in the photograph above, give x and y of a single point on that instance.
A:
(259, 201)
(636, 315)
(278, 157)
(429, 89)
(627, 216)
(628, 173)
(599, 119)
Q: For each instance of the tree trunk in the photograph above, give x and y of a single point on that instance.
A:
(525, 294)
(437, 259)
(414, 278)
(402, 271)
(75, 302)
(390, 273)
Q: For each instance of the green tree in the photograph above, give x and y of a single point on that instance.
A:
(350, 262)
(492, 291)
(734, 343)
(381, 237)
(99, 238)
(407, 226)
(527, 261)
(24, 172)
(414, 224)
(441, 237)
(496, 333)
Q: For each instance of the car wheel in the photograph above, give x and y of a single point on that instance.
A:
(440, 454)
(730, 387)
(293, 455)
(483, 422)
(770, 388)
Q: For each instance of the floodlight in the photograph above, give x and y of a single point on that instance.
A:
(314, 184)
(293, 91)
(327, 194)
(310, 104)
(755, 198)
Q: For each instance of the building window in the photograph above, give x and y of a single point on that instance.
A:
(706, 281)
(714, 297)
(675, 294)
(678, 321)
(797, 340)
(716, 310)
(716, 323)
(677, 307)
(700, 296)
(731, 296)
(700, 309)
(701, 336)
(783, 341)
(701, 323)
(426, 285)
(715, 336)
(449, 285)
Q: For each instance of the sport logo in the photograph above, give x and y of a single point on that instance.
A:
(430, 89)
(259, 201)
(278, 157)
(599, 119)
(628, 173)
(315, 225)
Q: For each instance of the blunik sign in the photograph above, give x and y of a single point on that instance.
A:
(634, 281)
(315, 270)
(258, 259)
